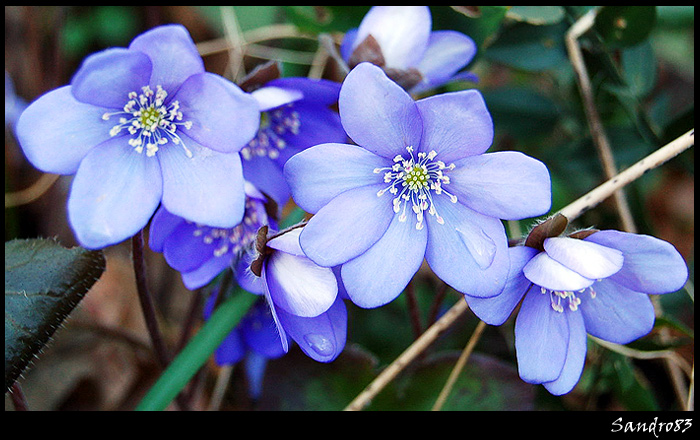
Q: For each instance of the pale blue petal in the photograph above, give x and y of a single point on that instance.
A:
(206, 188)
(272, 97)
(323, 337)
(401, 31)
(173, 54)
(469, 251)
(114, 194)
(162, 225)
(496, 310)
(205, 273)
(550, 274)
(106, 78)
(288, 243)
(541, 339)
(586, 258)
(507, 185)
(56, 131)
(377, 113)
(299, 286)
(575, 357)
(347, 226)
(616, 313)
(379, 275)
(447, 52)
(455, 125)
(651, 265)
(266, 174)
(224, 118)
(318, 174)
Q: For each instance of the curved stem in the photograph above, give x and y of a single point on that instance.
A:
(149, 311)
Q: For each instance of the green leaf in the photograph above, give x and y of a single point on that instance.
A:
(43, 283)
(530, 48)
(625, 26)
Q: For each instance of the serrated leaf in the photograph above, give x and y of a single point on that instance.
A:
(43, 283)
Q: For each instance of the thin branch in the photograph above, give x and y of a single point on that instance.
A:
(457, 370)
(572, 211)
(583, 25)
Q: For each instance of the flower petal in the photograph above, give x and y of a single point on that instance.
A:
(224, 118)
(106, 78)
(378, 114)
(550, 274)
(162, 225)
(173, 54)
(541, 339)
(575, 357)
(114, 194)
(319, 91)
(469, 251)
(356, 213)
(617, 314)
(266, 174)
(273, 97)
(447, 52)
(185, 250)
(299, 286)
(320, 173)
(206, 188)
(496, 310)
(323, 337)
(507, 185)
(205, 273)
(586, 258)
(651, 265)
(379, 275)
(455, 125)
(288, 243)
(56, 131)
(259, 333)
(401, 31)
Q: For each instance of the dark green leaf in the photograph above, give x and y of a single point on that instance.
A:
(624, 26)
(531, 48)
(43, 283)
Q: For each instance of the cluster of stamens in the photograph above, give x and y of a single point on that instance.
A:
(560, 298)
(413, 182)
(238, 239)
(150, 121)
(274, 126)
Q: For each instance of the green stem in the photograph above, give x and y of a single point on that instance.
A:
(197, 351)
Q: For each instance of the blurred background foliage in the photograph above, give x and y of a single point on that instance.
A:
(641, 64)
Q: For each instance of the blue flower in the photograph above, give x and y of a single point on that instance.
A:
(254, 340)
(139, 126)
(295, 115)
(201, 252)
(14, 105)
(416, 186)
(594, 282)
(302, 296)
(399, 39)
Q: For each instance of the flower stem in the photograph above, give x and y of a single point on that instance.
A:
(149, 311)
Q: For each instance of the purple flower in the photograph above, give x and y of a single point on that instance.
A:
(254, 340)
(302, 296)
(399, 39)
(140, 126)
(201, 252)
(594, 282)
(418, 185)
(295, 115)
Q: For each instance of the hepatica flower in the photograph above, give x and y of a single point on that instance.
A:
(139, 126)
(594, 282)
(295, 115)
(302, 296)
(399, 39)
(416, 185)
(200, 252)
